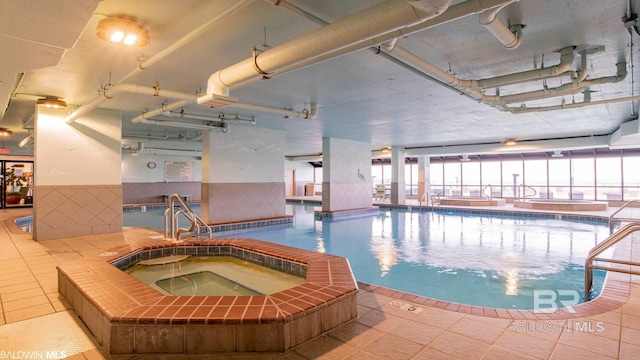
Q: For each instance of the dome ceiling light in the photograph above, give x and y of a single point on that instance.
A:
(123, 30)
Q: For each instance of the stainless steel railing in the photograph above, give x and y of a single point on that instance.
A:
(613, 219)
(589, 265)
(172, 214)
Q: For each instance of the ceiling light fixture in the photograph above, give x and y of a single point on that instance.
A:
(557, 154)
(510, 142)
(465, 157)
(51, 102)
(123, 30)
(5, 132)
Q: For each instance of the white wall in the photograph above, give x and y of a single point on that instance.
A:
(304, 171)
(84, 152)
(135, 169)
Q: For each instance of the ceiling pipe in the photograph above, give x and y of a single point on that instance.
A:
(221, 117)
(109, 92)
(510, 39)
(378, 20)
(453, 12)
(521, 110)
(238, 5)
(224, 127)
(149, 137)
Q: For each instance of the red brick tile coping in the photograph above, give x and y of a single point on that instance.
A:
(128, 317)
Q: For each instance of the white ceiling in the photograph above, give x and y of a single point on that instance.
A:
(361, 96)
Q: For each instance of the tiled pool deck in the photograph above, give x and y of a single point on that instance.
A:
(390, 324)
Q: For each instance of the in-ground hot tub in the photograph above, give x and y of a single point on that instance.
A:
(127, 316)
(560, 205)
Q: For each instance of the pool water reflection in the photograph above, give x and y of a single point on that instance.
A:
(482, 260)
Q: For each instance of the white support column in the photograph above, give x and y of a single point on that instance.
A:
(78, 191)
(424, 181)
(346, 175)
(398, 194)
(243, 174)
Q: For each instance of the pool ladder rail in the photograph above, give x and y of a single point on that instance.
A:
(628, 229)
(197, 226)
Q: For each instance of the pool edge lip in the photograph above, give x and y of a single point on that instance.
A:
(113, 303)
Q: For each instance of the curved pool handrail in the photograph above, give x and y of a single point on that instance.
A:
(171, 231)
(524, 191)
(490, 191)
(613, 215)
(622, 233)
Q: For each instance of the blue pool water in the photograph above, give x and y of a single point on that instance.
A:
(494, 261)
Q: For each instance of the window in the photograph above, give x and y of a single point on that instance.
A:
(511, 177)
(608, 178)
(631, 166)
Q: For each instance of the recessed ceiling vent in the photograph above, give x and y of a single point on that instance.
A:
(217, 101)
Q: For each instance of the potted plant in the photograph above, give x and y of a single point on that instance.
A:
(15, 182)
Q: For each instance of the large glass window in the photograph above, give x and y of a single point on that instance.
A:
(559, 179)
(535, 177)
(583, 179)
(376, 175)
(491, 177)
(511, 177)
(631, 166)
(471, 175)
(436, 178)
(452, 179)
(608, 178)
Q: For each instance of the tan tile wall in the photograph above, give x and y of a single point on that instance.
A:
(76, 210)
(142, 193)
(346, 196)
(230, 202)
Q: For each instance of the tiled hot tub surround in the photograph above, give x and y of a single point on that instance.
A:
(127, 316)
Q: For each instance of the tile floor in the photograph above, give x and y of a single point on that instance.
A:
(37, 322)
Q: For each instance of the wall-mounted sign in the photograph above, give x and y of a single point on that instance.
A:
(178, 171)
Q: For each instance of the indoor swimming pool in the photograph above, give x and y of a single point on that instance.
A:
(475, 259)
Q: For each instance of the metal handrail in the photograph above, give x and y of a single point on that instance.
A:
(524, 188)
(622, 233)
(171, 229)
(490, 191)
(612, 216)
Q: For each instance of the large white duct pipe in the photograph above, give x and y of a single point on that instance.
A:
(378, 20)
(454, 12)
(499, 30)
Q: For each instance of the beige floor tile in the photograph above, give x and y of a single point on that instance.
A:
(499, 353)
(93, 355)
(379, 320)
(19, 295)
(372, 300)
(394, 347)
(631, 321)
(630, 335)
(433, 354)
(25, 303)
(526, 344)
(563, 352)
(14, 275)
(440, 318)
(417, 332)
(479, 330)
(355, 334)
(324, 347)
(17, 280)
(590, 342)
(28, 313)
(460, 346)
(33, 284)
(545, 329)
(361, 355)
(629, 351)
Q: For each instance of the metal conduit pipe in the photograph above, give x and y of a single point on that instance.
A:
(378, 20)
(520, 110)
(112, 91)
(164, 108)
(224, 127)
(489, 19)
(566, 60)
(220, 118)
